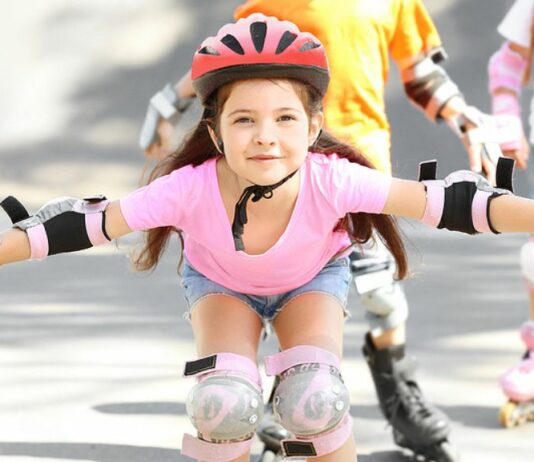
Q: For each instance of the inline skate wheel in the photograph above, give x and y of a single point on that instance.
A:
(508, 415)
(268, 456)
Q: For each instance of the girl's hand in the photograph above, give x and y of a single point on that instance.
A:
(163, 146)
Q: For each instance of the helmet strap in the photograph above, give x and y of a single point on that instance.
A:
(240, 215)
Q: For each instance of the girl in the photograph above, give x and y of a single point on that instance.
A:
(268, 206)
(509, 69)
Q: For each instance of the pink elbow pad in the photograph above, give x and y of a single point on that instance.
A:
(506, 69)
(461, 201)
(62, 225)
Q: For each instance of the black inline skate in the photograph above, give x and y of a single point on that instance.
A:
(417, 425)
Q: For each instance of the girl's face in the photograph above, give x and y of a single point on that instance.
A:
(266, 130)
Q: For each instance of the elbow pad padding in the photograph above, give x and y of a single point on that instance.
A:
(67, 233)
(62, 225)
(457, 214)
(421, 90)
(461, 202)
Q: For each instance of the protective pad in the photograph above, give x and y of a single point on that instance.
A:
(506, 69)
(428, 86)
(164, 104)
(311, 400)
(461, 201)
(66, 224)
(225, 406)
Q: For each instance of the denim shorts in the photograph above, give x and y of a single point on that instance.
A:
(334, 280)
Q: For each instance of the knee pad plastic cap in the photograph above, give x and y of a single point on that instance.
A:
(225, 408)
(527, 261)
(385, 300)
(527, 334)
(311, 399)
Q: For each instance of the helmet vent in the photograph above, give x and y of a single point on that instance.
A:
(309, 46)
(258, 31)
(287, 39)
(208, 51)
(231, 42)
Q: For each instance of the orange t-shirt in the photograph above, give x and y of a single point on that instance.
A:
(359, 36)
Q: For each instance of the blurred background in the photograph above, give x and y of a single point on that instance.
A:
(90, 352)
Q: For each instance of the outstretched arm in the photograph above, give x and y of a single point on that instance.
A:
(15, 244)
(474, 206)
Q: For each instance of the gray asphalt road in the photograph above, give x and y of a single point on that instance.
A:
(90, 352)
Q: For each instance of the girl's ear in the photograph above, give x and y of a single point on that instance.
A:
(216, 141)
(316, 125)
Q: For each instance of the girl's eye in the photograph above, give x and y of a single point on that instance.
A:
(287, 117)
(243, 120)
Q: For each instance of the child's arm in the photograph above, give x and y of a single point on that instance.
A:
(474, 206)
(64, 235)
(507, 68)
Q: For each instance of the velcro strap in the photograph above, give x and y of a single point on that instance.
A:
(223, 362)
(428, 170)
(38, 242)
(14, 209)
(302, 354)
(214, 452)
(504, 174)
(319, 445)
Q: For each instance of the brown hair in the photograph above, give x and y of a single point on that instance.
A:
(198, 147)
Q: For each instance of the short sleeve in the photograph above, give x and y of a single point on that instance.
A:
(415, 31)
(164, 202)
(517, 24)
(355, 188)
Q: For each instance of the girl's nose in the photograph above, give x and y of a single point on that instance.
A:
(265, 134)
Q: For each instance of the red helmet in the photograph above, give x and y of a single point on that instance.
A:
(259, 46)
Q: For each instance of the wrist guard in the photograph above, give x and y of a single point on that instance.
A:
(165, 104)
(62, 225)
(474, 127)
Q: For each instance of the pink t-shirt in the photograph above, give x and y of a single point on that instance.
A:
(189, 199)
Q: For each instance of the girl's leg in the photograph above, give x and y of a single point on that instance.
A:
(315, 319)
(225, 324)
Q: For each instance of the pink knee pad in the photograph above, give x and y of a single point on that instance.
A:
(311, 400)
(225, 406)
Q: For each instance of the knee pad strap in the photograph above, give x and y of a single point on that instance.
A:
(321, 444)
(302, 354)
(216, 452)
